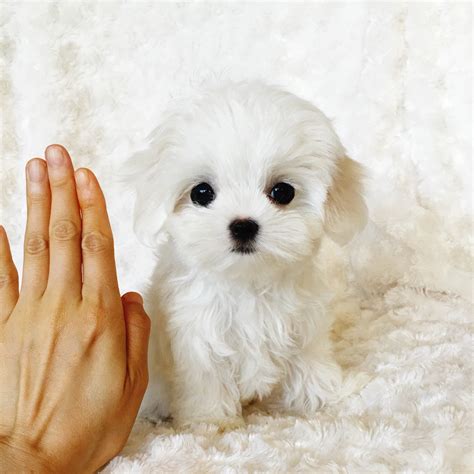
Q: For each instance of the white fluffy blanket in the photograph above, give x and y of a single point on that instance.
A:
(396, 80)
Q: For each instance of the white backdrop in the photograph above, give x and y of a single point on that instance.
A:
(396, 79)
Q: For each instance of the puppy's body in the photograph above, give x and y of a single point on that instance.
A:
(236, 341)
(240, 316)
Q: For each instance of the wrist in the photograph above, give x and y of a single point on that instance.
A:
(15, 456)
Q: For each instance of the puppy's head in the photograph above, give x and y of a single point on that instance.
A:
(246, 178)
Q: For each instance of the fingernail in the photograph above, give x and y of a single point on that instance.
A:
(54, 156)
(82, 178)
(36, 171)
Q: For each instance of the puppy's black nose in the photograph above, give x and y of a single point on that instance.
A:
(243, 230)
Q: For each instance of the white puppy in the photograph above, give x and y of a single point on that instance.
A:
(236, 190)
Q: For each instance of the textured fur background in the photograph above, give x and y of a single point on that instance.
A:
(397, 81)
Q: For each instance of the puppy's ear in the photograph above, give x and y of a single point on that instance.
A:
(153, 178)
(345, 209)
(152, 205)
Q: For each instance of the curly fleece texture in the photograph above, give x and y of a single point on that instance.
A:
(396, 79)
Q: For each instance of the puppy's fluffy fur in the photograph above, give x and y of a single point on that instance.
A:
(231, 327)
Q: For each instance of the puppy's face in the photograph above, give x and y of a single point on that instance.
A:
(246, 179)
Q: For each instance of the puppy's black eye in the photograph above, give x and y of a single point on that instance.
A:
(202, 194)
(282, 193)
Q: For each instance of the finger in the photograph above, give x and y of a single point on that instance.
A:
(99, 273)
(137, 324)
(8, 278)
(36, 251)
(65, 222)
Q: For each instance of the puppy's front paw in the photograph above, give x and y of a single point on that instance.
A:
(155, 416)
(230, 424)
(311, 386)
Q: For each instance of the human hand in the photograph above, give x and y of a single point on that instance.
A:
(73, 353)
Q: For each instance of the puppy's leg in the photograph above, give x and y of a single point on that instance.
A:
(156, 402)
(312, 379)
(203, 388)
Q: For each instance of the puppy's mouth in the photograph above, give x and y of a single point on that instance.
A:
(243, 249)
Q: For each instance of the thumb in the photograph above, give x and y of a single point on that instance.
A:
(137, 324)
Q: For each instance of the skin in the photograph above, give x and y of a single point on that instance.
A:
(72, 351)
